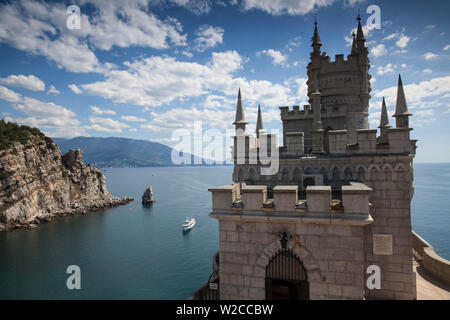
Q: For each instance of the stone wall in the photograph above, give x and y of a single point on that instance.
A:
(332, 255)
(432, 262)
(391, 207)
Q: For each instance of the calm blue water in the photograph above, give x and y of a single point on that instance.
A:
(430, 205)
(128, 252)
(133, 252)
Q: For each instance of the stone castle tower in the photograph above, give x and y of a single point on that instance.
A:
(337, 211)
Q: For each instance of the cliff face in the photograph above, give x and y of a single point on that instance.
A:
(37, 183)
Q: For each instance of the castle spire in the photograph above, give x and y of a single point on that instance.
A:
(239, 121)
(359, 32)
(384, 125)
(401, 109)
(316, 43)
(354, 46)
(384, 121)
(259, 122)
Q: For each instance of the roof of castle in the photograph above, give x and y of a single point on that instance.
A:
(316, 37)
(384, 122)
(259, 122)
(401, 109)
(359, 32)
(240, 115)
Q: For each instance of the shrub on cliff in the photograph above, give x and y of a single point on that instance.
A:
(11, 132)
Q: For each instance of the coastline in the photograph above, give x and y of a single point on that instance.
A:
(77, 209)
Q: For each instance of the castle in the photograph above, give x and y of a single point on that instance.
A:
(336, 214)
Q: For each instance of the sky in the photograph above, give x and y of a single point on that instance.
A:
(143, 69)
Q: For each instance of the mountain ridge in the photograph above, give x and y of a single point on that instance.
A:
(121, 152)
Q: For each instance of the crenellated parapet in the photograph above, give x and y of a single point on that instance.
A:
(297, 113)
(398, 142)
(253, 200)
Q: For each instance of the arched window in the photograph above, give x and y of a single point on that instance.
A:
(348, 174)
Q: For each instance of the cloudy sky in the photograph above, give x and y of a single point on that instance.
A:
(141, 69)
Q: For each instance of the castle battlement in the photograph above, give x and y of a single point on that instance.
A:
(243, 199)
(398, 141)
(339, 64)
(296, 113)
(395, 141)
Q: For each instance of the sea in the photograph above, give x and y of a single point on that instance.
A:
(140, 252)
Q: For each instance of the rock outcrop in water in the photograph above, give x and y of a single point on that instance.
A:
(147, 197)
(37, 183)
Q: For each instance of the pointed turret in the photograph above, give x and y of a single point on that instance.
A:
(316, 43)
(354, 46)
(259, 122)
(401, 109)
(384, 125)
(384, 121)
(239, 121)
(359, 32)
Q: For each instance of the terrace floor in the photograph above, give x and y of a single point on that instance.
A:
(428, 288)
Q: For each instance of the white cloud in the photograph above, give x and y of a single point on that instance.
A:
(277, 57)
(53, 119)
(132, 119)
(74, 88)
(160, 80)
(218, 102)
(187, 53)
(128, 23)
(53, 90)
(403, 41)
(184, 118)
(379, 50)
(106, 125)
(221, 119)
(392, 36)
(430, 56)
(9, 95)
(100, 111)
(386, 69)
(36, 108)
(291, 7)
(40, 28)
(447, 47)
(426, 70)
(208, 37)
(29, 82)
(157, 81)
(426, 94)
(198, 7)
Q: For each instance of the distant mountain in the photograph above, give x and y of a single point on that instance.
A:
(118, 152)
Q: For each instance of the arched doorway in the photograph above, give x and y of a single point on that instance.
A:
(286, 278)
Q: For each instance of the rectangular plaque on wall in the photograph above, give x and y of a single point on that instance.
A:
(382, 244)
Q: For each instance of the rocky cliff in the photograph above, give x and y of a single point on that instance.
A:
(37, 183)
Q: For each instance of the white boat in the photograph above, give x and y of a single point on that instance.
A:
(188, 224)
